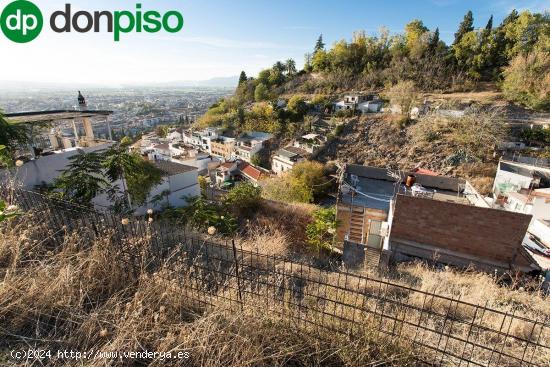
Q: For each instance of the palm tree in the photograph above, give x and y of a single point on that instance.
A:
(137, 175)
(83, 179)
(290, 66)
(116, 162)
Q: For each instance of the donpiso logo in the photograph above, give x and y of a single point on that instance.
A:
(21, 21)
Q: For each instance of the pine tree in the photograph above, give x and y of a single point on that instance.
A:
(242, 78)
(511, 18)
(319, 45)
(489, 26)
(279, 67)
(434, 42)
(82, 180)
(466, 26)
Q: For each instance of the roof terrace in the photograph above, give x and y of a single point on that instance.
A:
(374, 187)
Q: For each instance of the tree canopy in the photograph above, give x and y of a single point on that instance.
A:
(501, 54)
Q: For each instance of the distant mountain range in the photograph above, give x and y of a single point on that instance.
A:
(220, 82)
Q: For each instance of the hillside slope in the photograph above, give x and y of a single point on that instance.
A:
(377, 141)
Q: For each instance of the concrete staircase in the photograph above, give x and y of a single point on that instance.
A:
(372, 257)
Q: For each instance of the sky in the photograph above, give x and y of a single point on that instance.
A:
(221, 38)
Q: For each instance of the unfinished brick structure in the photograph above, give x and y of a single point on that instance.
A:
(460, 234)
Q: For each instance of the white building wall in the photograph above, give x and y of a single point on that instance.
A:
(180, 186)
(519, 181)
(280, 165)
(45, 169)
(540, 208)
(370, 106)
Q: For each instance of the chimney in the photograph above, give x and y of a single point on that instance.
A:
(81, 102)
(82, 106)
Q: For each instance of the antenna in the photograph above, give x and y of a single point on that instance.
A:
(396, 175)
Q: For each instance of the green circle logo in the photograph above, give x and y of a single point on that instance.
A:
(21, 21)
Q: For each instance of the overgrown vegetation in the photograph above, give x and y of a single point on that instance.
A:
(11, 136)
(420, 56)
(218, 217)
(107, 297)
(110, 295)
(474, 135)
(306, 182)
(7, 211)
(537, 137)
(527, 79)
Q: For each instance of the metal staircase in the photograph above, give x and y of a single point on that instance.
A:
(356, 225)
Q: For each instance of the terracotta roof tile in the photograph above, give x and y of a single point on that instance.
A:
(251, 172)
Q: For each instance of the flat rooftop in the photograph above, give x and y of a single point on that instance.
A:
(526, 170)
(54, 115)
(376, 188)
(169, 168)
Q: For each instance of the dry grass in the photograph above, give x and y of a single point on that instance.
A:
(267, 240)
(287, 221)
(475, 287)
(480, 175)
(101, 296)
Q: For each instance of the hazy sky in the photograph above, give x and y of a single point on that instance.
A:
(221, 38)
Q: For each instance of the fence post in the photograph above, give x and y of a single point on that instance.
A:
(237, 271)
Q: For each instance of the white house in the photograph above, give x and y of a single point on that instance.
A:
(250, 143)
(226, 172)
(311, 143)
(163, 151)
(202, 138)
(525, 188)
(175, 135)
(179, 182)
(341, 105)
(370, 106)
(364, 103)
(515, 177)
(285, 158)
(536, 203)
(147, 141)
(201, 161)
(182, 155)
(238, 170)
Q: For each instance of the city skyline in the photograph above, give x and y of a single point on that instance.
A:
(221, 39)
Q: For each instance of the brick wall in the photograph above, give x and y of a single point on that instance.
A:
(490, 234)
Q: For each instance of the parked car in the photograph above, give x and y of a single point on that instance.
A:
(534, 244)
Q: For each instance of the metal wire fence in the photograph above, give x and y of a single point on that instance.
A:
(443, 330)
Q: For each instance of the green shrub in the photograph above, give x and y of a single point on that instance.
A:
(320, 233)
(243, 198)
